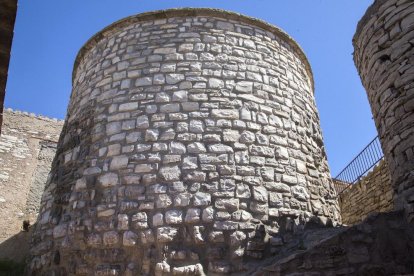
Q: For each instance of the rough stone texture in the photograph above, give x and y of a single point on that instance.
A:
(27, 147)
(384, 59)
(381, 246)
(8, 10)
(192, 140)
(373, 193)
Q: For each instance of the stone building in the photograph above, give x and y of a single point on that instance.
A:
(27, 147)
(191, 145)
(384, 56)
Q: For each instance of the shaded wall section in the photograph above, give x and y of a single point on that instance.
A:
(371, 194)
(384, 57)
(8, 10)
(27, 147)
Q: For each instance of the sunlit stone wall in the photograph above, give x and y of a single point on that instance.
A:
(191, 145)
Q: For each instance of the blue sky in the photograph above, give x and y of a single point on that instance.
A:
(49, 33)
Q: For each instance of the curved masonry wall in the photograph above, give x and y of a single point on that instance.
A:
(191, 145)
(384, 58)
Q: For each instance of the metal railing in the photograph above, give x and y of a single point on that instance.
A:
(359, 166)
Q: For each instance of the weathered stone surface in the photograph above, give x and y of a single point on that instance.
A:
(173, 217)
(360, 249)
(129, 238)
(108, 180)
(192, 215)
(166, 234)
(170, 173)
(195, 127)
(385, 66)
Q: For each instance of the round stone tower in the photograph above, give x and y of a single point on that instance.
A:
(384, 56)
(191, 145)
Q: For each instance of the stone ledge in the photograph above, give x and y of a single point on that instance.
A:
(32, 115)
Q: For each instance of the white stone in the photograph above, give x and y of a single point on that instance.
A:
(162, 97)
(202, 199)
(108, 180)
(113, 128)
(165, 51)
(228, 204)
(129, 238)
(225, 26)
(231, 135)
(128, 106)
(170, 173)
(220, 148)
(143, 81)
(144, 168)
(282, 153)
(173, 217)
(225, 113)
(168, 67)
(300, 193)
(215, 83)
(163, 201)
(166, 234)
(247, 137)
(243, 191)
(142, 121)
(80, 184)
(196, 147)
(182, 199)
(260, 194)
(196, 126)
(180, 96)
(159, 79)
(208, 214)
(174, 78)
(289, 179)
(237, 238)
(151, 135)
(192, 269)
(193, 215)
(177, 148)
(244, 87)
(119, 162)
(162, 268)
(123, 222)
(169, 108)
(189, 163)
(158, 219)
(110, 238)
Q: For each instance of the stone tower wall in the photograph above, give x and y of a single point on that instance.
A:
(384, 56)
(191, 145)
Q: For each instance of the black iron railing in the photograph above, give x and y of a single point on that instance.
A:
(359, 166)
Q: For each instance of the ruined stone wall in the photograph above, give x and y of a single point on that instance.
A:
(373, 193)
(384, 56)
(192, 141)
(382, 245)
(27, 147)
